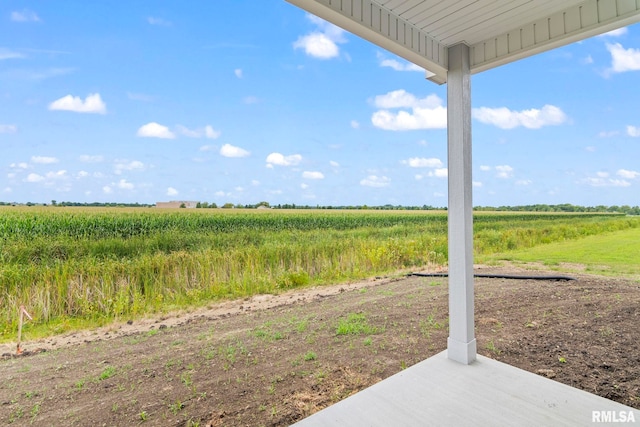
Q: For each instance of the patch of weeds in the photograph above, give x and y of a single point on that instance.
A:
(309, 356)
(355, 324)
(403, 365)
(114, 407)
(35, 411)
(434, 283)
(492, 348)
(143, 416)
(186, 379)
(302, 325)
(79, 385)
(367, 341)
(265, 332)
(429, 324)
(107, 373)
(152, 332)
(16, 414)
(176, 407)
(562, 359)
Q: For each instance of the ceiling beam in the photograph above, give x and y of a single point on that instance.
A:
(578, 22)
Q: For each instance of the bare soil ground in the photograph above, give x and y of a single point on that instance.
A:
(272, 360)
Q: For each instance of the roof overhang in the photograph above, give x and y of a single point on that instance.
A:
(497, 31)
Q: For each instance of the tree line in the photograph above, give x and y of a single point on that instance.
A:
(564, 207)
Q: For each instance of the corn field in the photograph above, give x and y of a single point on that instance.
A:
(77, 267)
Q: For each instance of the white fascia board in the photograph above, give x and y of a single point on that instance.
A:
(576, 23)
(368, 20)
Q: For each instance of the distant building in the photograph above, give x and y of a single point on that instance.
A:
(176, 204)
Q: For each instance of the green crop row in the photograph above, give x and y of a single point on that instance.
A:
(71, 266)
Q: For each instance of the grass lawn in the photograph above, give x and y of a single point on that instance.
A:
(616, 253)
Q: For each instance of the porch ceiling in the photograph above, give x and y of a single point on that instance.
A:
(497, 31)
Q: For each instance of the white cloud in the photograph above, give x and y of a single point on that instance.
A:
(49, 179)
(312, 175)
(590, 149)
(172, 191)
(34, 177)
(317, 45)
(421, 162)
(304, 186)
(615, 33)
(92, 104)
(606, 182)
(238, 72)
(85, 158)
(355, 124)
(628, 174)
(125, 185)
(44, 160)
(439, 173)
(633, 131)
(155, 130)
(249, 100)
(211, 133)
(587, 60)
(524, 182)
(207, 131)
(107, 190)
(277, 159)
(549, 115)
(9, 54)
(322, 43)
(504, 171)
(334, 163)
(8, 128)
(608, 134)
(228, 150)
(83, 174)
(182, 130)
(134, 165)
(375, 181)
(485, 168)
(58, 174)
(7, 190)
(207, 148)
(426, 113)
(397, 65)
(158, 21)
(476, 184)
(25, 15)
(623, 59)
(21, 165)
(602, 174)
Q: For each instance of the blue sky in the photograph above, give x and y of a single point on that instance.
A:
(245, 101)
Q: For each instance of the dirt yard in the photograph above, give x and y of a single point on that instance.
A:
(272, 360)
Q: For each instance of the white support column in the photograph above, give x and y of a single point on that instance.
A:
(461, 345)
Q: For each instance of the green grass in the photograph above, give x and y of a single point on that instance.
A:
(76, 268)
(355, 324)
(615, 253)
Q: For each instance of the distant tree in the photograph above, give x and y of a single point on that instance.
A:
(265, 204)
(198, 205)
(213, 206)
(228, 206)
(182, 205)
(54, 203)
